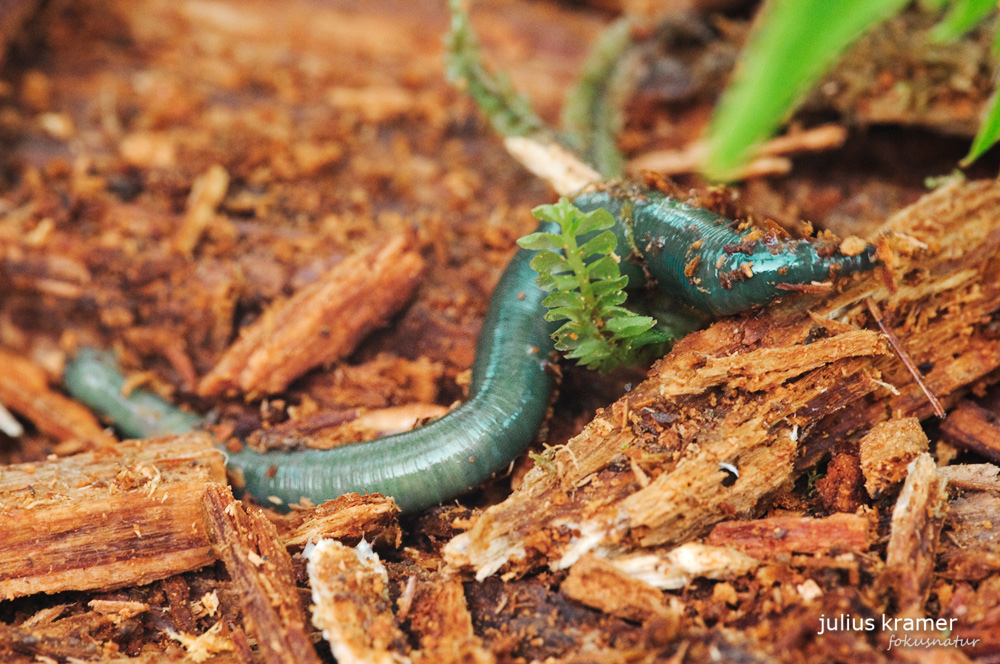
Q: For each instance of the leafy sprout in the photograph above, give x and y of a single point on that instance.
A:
(580, 269)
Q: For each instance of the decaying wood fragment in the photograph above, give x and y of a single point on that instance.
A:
(976, 476)
(351, 604)
(348, 519)
(974, 428)
(206, 194)
(913, 540)
(971, 545)
(320, 323)
(333, 428)
(672, 569)
(439, 617)
(25, 390)
(599, 584)
(261, 570)
(770, 392)
(763, 538)
(841, 489)
(887, 450)
(107, 519)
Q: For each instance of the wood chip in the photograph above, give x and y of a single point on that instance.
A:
(24, 389)
(351, 604)
(348, 519)
(917, 519)
(101, 520)
(206, 194)
(599, 584)
(440, 618)
(261, 571)
(764, 538)
(887, 450)
(321, 323)
(674, 568)
(973, 428)
(976, 476)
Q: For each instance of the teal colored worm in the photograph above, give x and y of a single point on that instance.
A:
(691, 254)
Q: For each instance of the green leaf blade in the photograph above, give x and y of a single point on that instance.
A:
(792, 45)
(962, 17)
(989, 131)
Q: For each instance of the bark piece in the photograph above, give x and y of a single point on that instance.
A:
(974, 428)
(770, 392)
(764, 538)
(25, 390)
(261, 570)
(350, 589)
(321, 323)
(599, 584)
(118, 517)
(917, 519)
(348, 519)
(887, 450)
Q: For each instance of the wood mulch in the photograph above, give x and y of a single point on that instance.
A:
(281, 215)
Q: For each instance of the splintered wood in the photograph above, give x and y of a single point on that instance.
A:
(916, 523)
(348, 519)
(108, 519)
(261, 570)
(766, 537)
(351, 605)
(769, 392)
(321, 323)
(887, 450)
(350, 590)
(25, 390)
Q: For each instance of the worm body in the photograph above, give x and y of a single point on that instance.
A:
(704, 260)
(509, 396)
(691, 254)
(93, 377)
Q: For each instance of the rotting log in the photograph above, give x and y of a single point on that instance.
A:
(118, 517)
(770, 392)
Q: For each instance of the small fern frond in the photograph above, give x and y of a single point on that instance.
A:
(579, 267)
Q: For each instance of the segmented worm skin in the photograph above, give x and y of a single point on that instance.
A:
(93, 377)
(691, 253)
(509, 395)
(703, 259)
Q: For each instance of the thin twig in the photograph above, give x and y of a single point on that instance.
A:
(771, 157)
(904, 356)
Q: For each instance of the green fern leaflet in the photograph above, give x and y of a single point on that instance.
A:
(587, 289)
